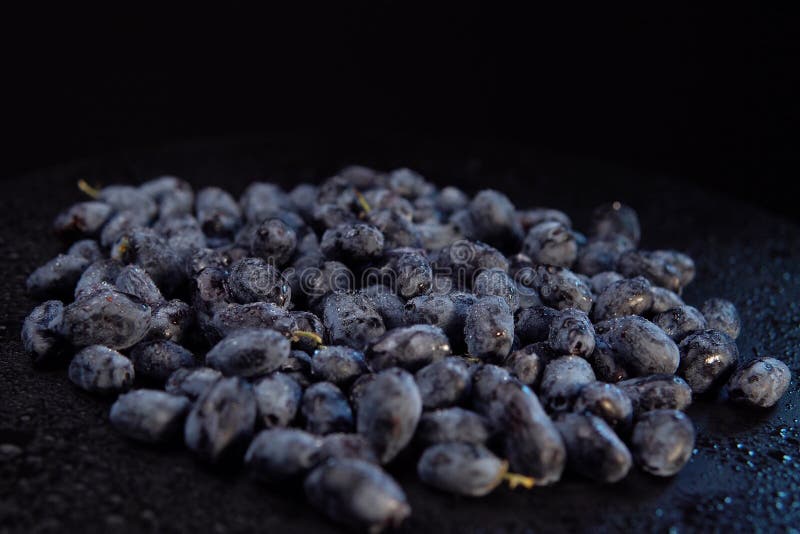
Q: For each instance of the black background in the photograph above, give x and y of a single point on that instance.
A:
(702, 94)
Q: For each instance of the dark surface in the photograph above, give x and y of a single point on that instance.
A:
(62, 467)
(708, 92)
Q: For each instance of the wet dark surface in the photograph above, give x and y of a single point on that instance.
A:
(62, 467)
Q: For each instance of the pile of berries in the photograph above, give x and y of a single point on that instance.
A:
(320, 333)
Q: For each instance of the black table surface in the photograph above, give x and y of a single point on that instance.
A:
(62, 467)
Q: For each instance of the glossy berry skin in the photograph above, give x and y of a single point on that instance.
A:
(489, 328)
(325, 409)
(149, 415)
(352, 243)
(562, 379)
(607, 364)
(571, 332)
(606, 401)
(278, 399)
(551, 243)
(443, 383)
(346, 446)
(86, 248)
(40, 332)
(358, 494)
(339, 365)
(616, 218)
(630, 296)
(411, 272)
(531, 443)
(221, 422)
(461, 260)
(486, 380)
(721, 315)
(171, 321)
(664, 299)
(152, 253)
(280, 454)
(106, 317)
(657, 392)
(461, 468)
(665, 268)
(602, 255)
(218, 213)
(387, 304)
(707, 357)
(124, 198)
(133, 280)
(98, 369)
(254, 280)
(531, 217)
(560, 288)
(351, 320)
(600, 281)
(157, 360)
(274, 242)
(593, 449)
(662, 442)
(82, 219)
(451, 199)
(192, 382)
(398, 229)
(496, 282)
(642, 347)
(409, 347)
(525, 364)
(452, 425)
(231, 318)
(262, 200)
(57, 277)
(447, 311)
(250, 352)
(102, 273)
(760, 382)
(681, 321)
(388, 412)
(533, 324)
(494, 219)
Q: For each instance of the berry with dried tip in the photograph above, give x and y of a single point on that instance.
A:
(357, 493)
(706, 358)
(489, 328)
(249, 352)
(326, 410)
(462, 468)
(409, 347)
(41, 336)
(280, 454)
(149, 415)
(443, 383)
(388, 412)
(721, 315)
(657, 392)
(98, 369)
(222, 420)
(593, 449)
(760, 382)
(662, 442)
(571, 332)
(278, 399)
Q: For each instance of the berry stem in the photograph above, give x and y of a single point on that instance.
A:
(297, 334)
(87, 189)
(515, 479)
(362, 201)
